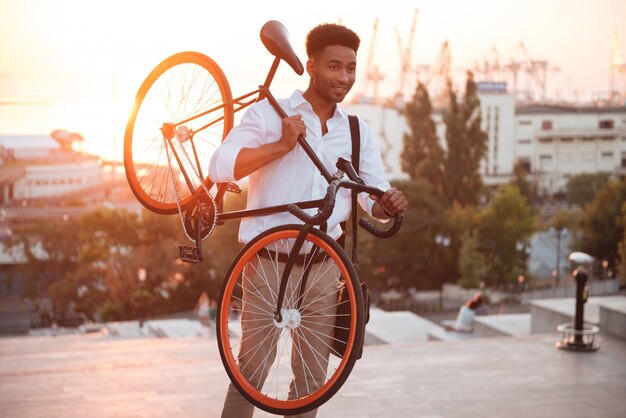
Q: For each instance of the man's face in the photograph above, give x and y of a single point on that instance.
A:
(333, 72)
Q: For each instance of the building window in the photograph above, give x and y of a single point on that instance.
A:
(623, 159)
(567, 139)
(608, 138)
(607, 154)
(523, 141)
(546, 125)
(525, 122)
(545, 140)
(606, 124)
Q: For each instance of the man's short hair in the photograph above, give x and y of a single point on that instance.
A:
(328, 34)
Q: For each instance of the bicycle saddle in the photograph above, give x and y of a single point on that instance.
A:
(275, 37)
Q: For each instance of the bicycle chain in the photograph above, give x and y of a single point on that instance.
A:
(209, 195)
(180, 211)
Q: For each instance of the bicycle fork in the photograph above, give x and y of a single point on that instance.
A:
(295, 251)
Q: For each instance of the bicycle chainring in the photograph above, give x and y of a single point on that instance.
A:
(202, 206)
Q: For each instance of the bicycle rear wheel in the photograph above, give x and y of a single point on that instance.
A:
(288, 366)
(167, 146)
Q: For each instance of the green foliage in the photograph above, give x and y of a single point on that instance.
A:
(422, 156)
(472, 263)
(582, 188)
(92, 264)
(110, 311)
(410, 258)
(505, 222)
(600, 225)
(51, 251)
(453, 174)
(520, 179)
(466, 146)
(457, 220)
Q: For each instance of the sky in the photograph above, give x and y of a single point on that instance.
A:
(76, 64)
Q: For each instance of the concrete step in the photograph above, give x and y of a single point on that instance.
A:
(397, 327)
(509, 325)
(613, 318)
(547, 314)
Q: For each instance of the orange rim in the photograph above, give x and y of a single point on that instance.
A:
(135, 163)
(228, 354)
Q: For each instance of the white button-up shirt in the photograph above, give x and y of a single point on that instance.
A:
(294, 178)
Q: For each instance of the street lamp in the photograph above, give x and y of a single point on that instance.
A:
(142, 274)
(559, 232)
(605, 266)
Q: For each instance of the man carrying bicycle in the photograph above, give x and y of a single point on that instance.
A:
(263, 147)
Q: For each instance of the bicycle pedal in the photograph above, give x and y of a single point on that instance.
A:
(233, 188)
(189, 254)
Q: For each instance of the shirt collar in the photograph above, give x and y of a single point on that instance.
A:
(297, 100)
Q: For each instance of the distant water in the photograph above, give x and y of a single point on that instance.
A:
(96, 120)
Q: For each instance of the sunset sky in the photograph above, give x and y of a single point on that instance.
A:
(63, 55)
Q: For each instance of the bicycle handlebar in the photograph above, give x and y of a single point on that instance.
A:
(329, 204)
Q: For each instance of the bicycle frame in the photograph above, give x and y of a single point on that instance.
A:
(279, 47)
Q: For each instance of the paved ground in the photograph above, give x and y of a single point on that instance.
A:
(88, 376)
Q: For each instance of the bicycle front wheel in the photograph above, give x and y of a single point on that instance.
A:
(182, 112)
(289, 365)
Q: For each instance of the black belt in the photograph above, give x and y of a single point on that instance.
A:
(300, 259)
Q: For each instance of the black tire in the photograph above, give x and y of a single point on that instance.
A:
(179, 88)
(310, 321)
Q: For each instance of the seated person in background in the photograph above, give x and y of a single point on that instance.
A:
(465, 319)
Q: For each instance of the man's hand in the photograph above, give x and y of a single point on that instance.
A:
(293, 126)
(251, 159)
(390, 203)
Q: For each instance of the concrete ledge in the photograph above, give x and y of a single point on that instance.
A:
(613, 318)
(443, 335)
(510, 325)
(547, 314)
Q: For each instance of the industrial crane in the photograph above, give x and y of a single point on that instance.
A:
(405, 56)
(372, 74)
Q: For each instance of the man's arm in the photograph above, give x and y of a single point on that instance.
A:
(251, 159)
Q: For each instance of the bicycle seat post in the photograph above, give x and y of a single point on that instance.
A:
(268, 80)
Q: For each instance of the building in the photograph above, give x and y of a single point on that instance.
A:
(553, 142)
(34, 167)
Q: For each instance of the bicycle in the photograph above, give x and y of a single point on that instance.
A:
(163, 148)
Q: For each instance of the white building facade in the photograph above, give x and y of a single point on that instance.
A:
(33, 167)
(552, 142)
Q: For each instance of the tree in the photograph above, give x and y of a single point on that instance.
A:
(582, 188)
(505, 222)
(466, 146)
(457, 221)
(520, 179)
(410, 258)
(51, 251)
(472, 263)
(600, 226)
(422, 156)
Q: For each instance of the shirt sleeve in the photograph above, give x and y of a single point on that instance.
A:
(248, 134)
(370, 167)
